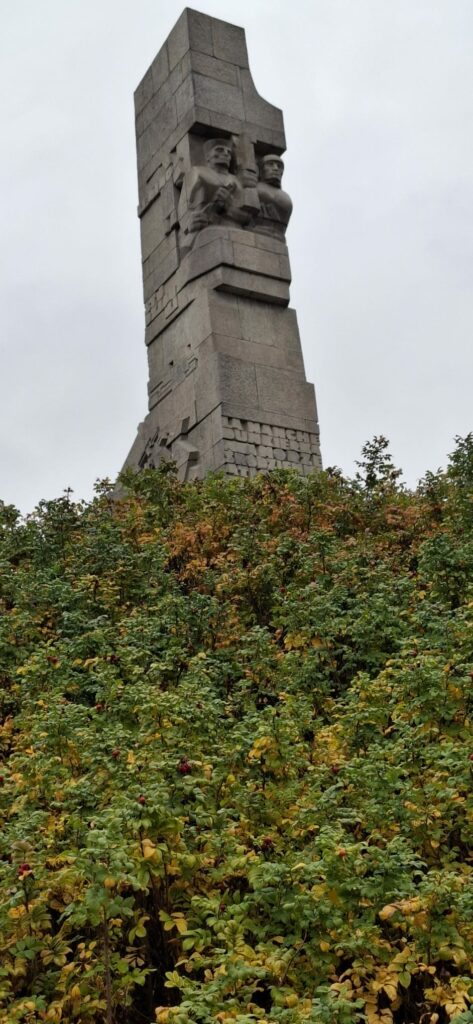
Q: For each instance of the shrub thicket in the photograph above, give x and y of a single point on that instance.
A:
(236, 751)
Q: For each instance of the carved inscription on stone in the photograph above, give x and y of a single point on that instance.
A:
(165, 386)
(254, 447)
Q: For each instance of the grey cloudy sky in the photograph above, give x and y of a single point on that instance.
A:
(378, 104)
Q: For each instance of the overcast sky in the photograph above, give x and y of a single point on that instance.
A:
(378, 104)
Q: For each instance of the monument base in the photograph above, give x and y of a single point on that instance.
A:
(228, 389)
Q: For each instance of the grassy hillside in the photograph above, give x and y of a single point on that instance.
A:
(237, 761)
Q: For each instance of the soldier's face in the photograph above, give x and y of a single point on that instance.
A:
(220, 157)
(273, 171)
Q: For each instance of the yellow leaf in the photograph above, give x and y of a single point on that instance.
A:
(149, 849)
(293, 640)
(409, 907)
(387, 911)
(16, 912)
(259, 747)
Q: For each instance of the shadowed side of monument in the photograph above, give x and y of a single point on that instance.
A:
(227, 387)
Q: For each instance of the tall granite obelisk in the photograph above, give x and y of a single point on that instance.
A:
(227, 387)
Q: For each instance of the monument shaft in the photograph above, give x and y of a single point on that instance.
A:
(227, 387)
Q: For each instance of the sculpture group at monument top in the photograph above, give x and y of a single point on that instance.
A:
(227, 387)
(212, 194)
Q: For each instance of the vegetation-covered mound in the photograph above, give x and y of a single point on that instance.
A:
(236, 751)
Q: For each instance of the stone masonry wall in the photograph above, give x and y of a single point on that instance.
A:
(254, 447)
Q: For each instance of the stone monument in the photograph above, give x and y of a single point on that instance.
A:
(227, 387)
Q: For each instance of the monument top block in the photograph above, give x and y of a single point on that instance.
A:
(200, 79)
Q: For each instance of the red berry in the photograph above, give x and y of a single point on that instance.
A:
(341, 852)
(471, 757)
(99, 707)
(1, 779)
(335, 768)
(142, 799)
(267, 843)
(184, 767)
(222, 908)
(116, 752)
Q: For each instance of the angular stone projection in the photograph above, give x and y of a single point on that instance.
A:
(227, 387)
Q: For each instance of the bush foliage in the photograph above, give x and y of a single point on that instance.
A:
(236, 751)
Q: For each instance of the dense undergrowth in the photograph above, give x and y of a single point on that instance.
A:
(237, 762)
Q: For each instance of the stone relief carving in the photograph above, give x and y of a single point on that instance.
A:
(247, 172)
(211, 193)
(160, 449)
(149, 458)
(275, 204)
(256, 447)
(249, 448)
(231, 188)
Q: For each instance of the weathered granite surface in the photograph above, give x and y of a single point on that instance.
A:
(227, 387)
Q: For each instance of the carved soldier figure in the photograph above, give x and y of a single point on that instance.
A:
(276, 205)
(212, 194)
